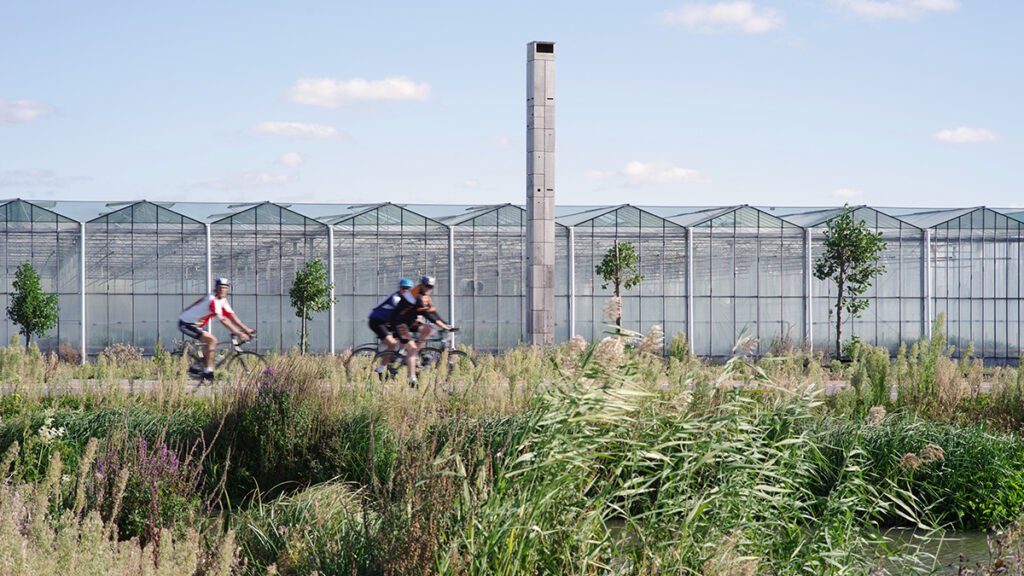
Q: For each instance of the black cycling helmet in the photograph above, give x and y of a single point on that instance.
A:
(427, 281)
(221, 282)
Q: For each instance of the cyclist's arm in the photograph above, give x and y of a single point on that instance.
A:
(235, 326)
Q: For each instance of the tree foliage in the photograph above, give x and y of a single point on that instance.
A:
(310, 292)
(851, 260)
(620, 267)
(31, 309)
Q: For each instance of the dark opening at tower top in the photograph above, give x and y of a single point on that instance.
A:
(545, 48)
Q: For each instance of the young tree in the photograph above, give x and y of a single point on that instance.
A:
(311, 292)
(30, 308)
(620, 267)
(851, 260)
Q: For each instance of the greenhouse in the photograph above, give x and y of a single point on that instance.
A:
(124, 270)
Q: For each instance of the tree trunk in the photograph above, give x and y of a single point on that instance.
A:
(618, 285)
(839, 319)
(302, 337)
(28, 338)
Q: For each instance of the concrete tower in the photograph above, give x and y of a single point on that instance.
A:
(540, 193)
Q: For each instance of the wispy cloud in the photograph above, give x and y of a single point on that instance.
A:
(847, 193)
(247, 181)
(331, 93)
(23, 111)
(965, 135)
(471, 184)
(895, 9)
(295, 130)
(291, 159)
(35, 179)
(722, 17)
(637, 173)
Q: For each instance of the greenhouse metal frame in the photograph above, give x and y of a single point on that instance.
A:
(124, 270)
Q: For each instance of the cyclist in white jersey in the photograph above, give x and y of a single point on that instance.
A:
(193, 321)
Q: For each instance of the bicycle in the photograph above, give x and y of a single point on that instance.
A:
(230, 361)
(364, 359)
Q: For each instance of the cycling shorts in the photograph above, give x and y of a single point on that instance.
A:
(191, 330)
(405, 332)
(380, 327)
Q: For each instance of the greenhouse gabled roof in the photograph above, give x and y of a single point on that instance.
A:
(931, 218)
(144, 211)
(805, 218)
(694, 216)
(18, 210)
(1015, 213)
(473, 212)
(265, 213)
(386, 214)
(623, 215)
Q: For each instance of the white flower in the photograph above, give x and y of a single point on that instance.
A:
(48, 433)
(577, 344)
(652, 342)
(613, 308)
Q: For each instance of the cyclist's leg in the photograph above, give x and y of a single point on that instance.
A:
(207, 340)
(404, 334)
(384, 333)
(210, 342)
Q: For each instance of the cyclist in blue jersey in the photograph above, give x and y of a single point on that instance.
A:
(384, 322)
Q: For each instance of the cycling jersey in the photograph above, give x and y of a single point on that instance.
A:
(205, 308)
(386, 311)
(427, 309)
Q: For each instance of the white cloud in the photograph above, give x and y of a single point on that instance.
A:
(501, 140)
(471, 184)
(650, 174)
(291, 159)
(895, 9)
(249, 180)
(22, 111)
(330, 93)
(965, 135)
(295, 130)
(722, 17)
(847, 193)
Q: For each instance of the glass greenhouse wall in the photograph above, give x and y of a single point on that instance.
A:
(144, 264)
(895, 312)
(661, 247)
(977, 259)
(260, 249)
(52, 244)
(490, 276)
(372, 251)
(709, 273)
(749, 279)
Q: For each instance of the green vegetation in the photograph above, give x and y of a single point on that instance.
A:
(620, 267)
(31, 309)
(310, 292)
(851, 260)
(583, 460)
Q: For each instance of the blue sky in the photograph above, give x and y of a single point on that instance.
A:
(799, 102)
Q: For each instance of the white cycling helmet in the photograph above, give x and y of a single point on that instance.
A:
(221, 282)
(427, 281)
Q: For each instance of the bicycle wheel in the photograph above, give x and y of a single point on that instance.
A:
(430, 356)
(241, 365)
(360, 363)
(394, 366)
